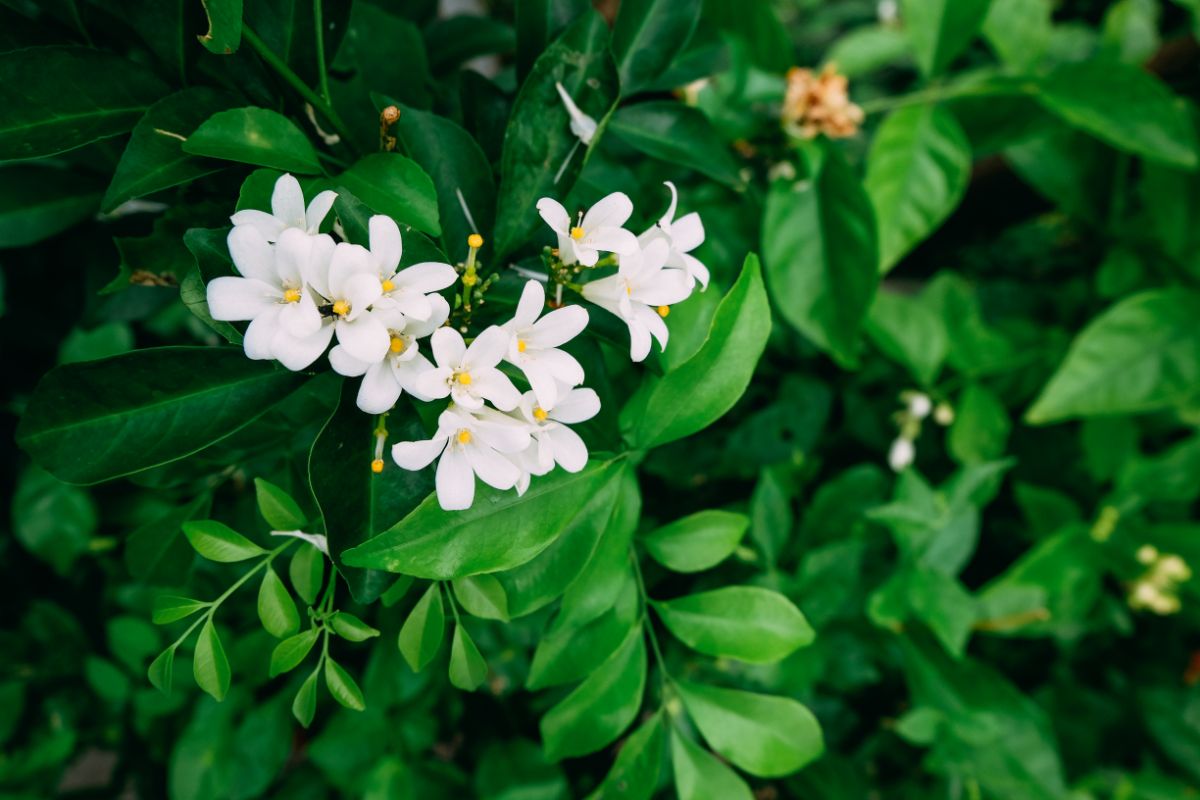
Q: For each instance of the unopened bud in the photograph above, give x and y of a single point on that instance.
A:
(390, 115)
(901, 455)
(1147, 554)
(919, 405)
(475, 240)
(943, 414)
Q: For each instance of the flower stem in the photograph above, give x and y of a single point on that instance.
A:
(319, 28)
(647, 623)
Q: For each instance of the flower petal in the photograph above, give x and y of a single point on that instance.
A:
(318, 209)
(345, 364)
(541, 381)
(492, 468)
(412, 303)
(561, 365)
(252, 254)
(554, 214)
(665, 219)
(297, 353)
(455, 480)
(365, 338)
(361, 291)
(265, 224)
(611, 211)
(448, 348)
(610, 240)
(492, 384)
(417, 455)
(386, 244)
(487, 349)
(695, 270)
(576, 406)
(379, 389)
(302, 318)
(687, 232)
(639, 340)
(440, 311)
(558, 327)
(348, 260)
(501, 432)
(287, 202)
(433, 383)
(605, 292)
(533, 300)
(426, 277)
(260, 333)
(232, 298)
(667, 287)
(569, 450)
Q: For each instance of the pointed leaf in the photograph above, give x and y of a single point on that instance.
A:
(343, 686)
(351, 628)
(307, 572)
(743, 622)
(216, 541)
(276, 609)
(634, 773)
(209, 664)
(698, 541)
(468, 670)
(700, 775)
(255, 136)
(162, 669)
(168, 608)
(482, 596)
(304, 705)
(422, 633)
(395, 185)
(288, 654)
(277, 507)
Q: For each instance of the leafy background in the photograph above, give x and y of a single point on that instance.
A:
(1012, 232)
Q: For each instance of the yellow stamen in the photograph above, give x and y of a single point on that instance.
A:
(540, 414)
(341, 308)
(475, 240)
(470, 279)
(291, 296)
(396, 345)
(377, 465)
(664, 310)
(464, 378)
(629, 290)
(464, 436)
(577, 233)
(387, 286)
(521, 345)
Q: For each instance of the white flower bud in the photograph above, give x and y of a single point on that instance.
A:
(901, 455)
(919, 405)
(1147, 554)
(944, 414)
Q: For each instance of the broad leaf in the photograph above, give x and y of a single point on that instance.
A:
(698, 541)
(255, 136)
(570, 652)
(743, 622)
(634, 773)
(216, 541)
(351, 628)
(397, 186)
(1019, 30)
(699, 775)
(910, 332)
(288, 654)
(468, 670)
(277, 507)
(224, 32)
(679, 135)
(276, 609)
(209, 664)
(941, 29)
(168, 609)
(647, 36)
(539, 22)
(38, 201)
(343, 687)
(421, 636)
(482, 596)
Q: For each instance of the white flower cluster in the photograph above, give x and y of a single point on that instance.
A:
(299, 290)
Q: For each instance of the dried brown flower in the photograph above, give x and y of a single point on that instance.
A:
(817, 103)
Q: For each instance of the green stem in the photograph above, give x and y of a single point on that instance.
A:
(647, 623)
(936, 94)
(191, 628)
(453, 605)
(265, 562)
(319, 27)
(292, 79)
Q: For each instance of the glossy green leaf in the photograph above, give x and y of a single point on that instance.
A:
(941, 29)
(917, 172)
(743, 622)
(647, 36)
(162, 670)
(306, 571)
(700, 775)
(539, 22)
(468, 670)
(154, 158)
(453, 40)
(211, 256)
(224, 32)
(397, 186)
(538, 140)
(764, 735)
(1125, 107)
(680, 135)
(343, 687)
(443, 545)
(1019, 30)
(820, 251)
(700, 391)
(351, 628)
(1141, 355)
(157, 553)
(38, 201)
(910, 332)
(288, 654)
(482, 596)
(635, 771)
(277, 507)
(168, 608)
(276, 609)
(53, 102)
(209, 664)
(421, 636)
(570, 652)
(255, 136)
(145, 408)
(698, 541)
(216, 541)
(600, 708)
(304, 705)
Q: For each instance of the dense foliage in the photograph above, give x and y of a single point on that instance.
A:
(905, 509)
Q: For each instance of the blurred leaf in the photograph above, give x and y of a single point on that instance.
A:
(451, 41)
(941, 29)
(539, 22)
(468, 670)
(304, 705)
(209, 664)
(53, 520)
(39, 201)
(909, 331)
(700, 775)
(169, 609)
(647, 36)
(981, 426)
(679, 135)
(422, 633)
(1019, 30)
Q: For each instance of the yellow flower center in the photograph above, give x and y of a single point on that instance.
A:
(470, 279)
(464, 436)
(396, 345)
(475, 240)
(540, 414)
(628, 290)
(291, 296)
(577, 233)
(341, 308)
(520, 345)
(377, 465)
(664, 310)
(387, 285)
(464, 378)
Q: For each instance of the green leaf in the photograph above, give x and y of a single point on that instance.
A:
(53, 100)
(142, 409)
(743, 622)
(307, 572)
(1123, 106)
(634, 773)
(343, 686)
(255, 136)
(162, 670)
(821, 256)
(981, 426)
(277, 507)
(211, 256)
(1141, 355)
(538, 139)
(422, 633)
(276, 609)
(209, 664)
(468, 670)
(288, 654)
(917, 172)
(482, 596)
(38, 201)
(570, 652)
(443, 545)
(771, 517)
(766, 736)
(224, 28)
(699, 775)
(1019, 31)
(703, 388)
(941, 29)
(698, 541)
(910, 332)
(600, 708)
(158, 553)
(647, 36)
(304, 705)
(397, 186)
(678, 134)
(351, 628)
(451, 41)
(539, 22)
(453, 159)
(216, 541)
(154, 158)
(168, 608)
(53, 520)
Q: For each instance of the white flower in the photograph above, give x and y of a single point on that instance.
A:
(534, 342)
(349, 288)
(285, 323)
(468, 374)
(469, 445)
(901, 455)
(640, 294)
(583, 126)
(598, 229)
(682, 236)
(553, 442)
(397, 372)
(287, 211)
(919, 404)
(408, 288)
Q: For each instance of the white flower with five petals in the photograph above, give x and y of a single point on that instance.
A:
(350, 288)
(534, 343)
(553, 442)
(468, 374)
(409, 289)
(470, 445)
(287, 211)
(599, 229)
(682, 236)
(640, 294)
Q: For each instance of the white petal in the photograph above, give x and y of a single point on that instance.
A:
(315, 270)
(487, 349)
(501, 433)
(265, 224)
(315, 214)
(317, 540)
(417, 455)
(533, 300)
(667, 287)
(639, 340)
(365, 338)
(426, 277)
(455, 480)
(562, 365)
(379, 390)
(492, 468)
(611, 211)
(695, 269)
(412, 303)
(555, 215)
(361, 291)
(654, 324)
(348, 260)
(345, 364)
(541, 381)
(448, 347)
(492, 384)
(302, 318)
(297, 353)
(232, 298)
(260, 333)
(610, 240)
(433, 383)
(252, 254)
(569, 450)
(440, 311)
(292, 253)
(287, 202)
(386, 244)
(605, 292)
(465, 396)
(558, 327)
(665, 219)
(687, 232)
(576, 406)
(408, 373)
